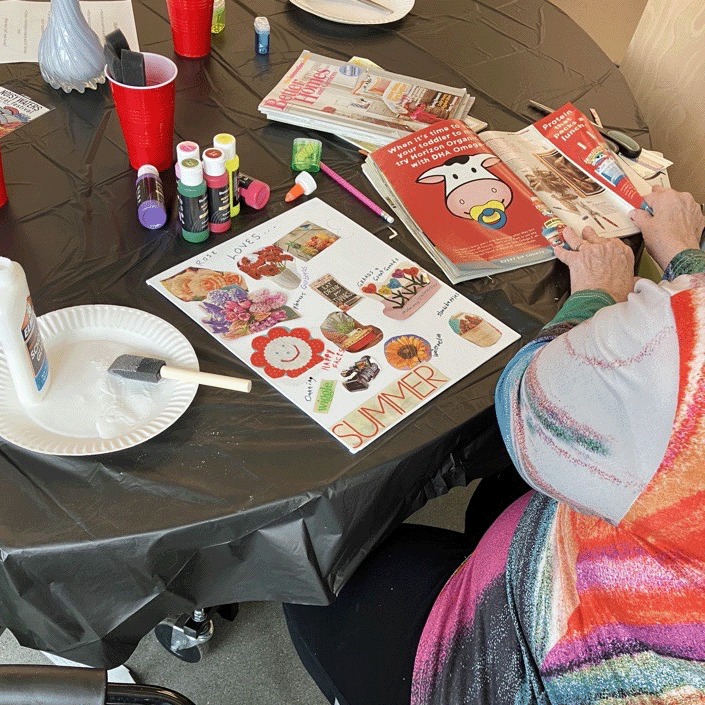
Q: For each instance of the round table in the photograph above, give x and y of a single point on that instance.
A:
(245, 497)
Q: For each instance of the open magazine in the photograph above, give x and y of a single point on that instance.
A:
(484, 205)
(363, 104)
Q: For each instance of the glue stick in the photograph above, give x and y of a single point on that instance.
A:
(20, 336)
(227, 144)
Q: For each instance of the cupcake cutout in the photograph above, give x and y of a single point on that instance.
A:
(474, 329)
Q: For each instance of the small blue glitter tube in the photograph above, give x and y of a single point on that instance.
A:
(261, 35)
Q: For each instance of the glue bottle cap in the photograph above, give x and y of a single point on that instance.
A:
(227, 144)
(262, 25)
(305, 184)
(147, 169)
(191, 172)
(213, 162)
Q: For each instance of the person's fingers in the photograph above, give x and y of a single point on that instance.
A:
(589, 235)
(563, 255)
(658, 187)
(640, 218)
(572, 239)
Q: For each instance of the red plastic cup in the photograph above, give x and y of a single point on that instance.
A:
(3, 190)
(191, 26)
(146, 113)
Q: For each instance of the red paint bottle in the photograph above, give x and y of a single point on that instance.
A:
(218, 183)
(3, 190)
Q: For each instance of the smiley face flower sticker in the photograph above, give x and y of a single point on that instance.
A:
(285, 353)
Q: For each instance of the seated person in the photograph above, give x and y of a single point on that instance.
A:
(589, 589)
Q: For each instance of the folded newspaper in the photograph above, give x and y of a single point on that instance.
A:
(362, 104)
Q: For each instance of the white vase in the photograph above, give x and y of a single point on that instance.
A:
(70, 52)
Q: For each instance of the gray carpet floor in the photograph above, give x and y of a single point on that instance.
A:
(250, 661)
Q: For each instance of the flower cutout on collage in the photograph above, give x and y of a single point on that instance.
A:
(286, 353)
(406, 351)
(195, 283)
(404, 292)
(271, 262)
(233, 312)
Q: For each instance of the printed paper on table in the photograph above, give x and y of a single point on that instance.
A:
(16, 110)
(351, 331)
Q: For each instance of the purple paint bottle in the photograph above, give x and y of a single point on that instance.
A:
(151, 210)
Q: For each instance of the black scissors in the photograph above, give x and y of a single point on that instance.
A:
(623, 144)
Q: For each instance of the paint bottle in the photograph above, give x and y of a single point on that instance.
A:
(262, 31)
(218, 22)
(193, 201)
(254, 192)
(227, 145)
(3, 189)
(151, 210)
(20, 336)
(218, 184)
(185, 150)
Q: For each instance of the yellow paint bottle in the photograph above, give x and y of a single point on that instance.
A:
(227, 144)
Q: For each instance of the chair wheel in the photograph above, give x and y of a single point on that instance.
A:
(187, 647)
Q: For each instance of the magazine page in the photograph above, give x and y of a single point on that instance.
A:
(349, 330)
(366, 98)
(466, 200)
(16, 110)
(571, 133)
(571, 194)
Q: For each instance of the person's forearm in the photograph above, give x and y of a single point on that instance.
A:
(685, 262)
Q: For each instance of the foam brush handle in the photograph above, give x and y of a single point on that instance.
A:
(237, 384)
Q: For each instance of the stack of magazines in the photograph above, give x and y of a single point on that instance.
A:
(362, 104)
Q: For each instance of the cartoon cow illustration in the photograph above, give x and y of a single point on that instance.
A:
(472, 191)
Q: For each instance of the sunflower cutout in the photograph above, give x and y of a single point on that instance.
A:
(406, 351)
(285, 353)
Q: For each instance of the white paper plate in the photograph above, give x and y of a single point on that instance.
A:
(353, 12)
(87, 410)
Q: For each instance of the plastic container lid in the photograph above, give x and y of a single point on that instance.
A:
(191, 172)
(227, 144)
(147, 169)
(213, 162)
(262, 25)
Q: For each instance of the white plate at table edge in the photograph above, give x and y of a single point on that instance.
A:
(163, 335)
(370, 16)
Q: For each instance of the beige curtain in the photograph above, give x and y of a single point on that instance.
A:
(665, 68)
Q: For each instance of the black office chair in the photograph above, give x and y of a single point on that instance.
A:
(60, 685)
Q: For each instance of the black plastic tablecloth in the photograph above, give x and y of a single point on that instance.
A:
(245, 497)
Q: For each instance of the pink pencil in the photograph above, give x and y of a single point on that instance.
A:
(358, 194)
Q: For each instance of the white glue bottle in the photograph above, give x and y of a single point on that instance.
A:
(20, 337)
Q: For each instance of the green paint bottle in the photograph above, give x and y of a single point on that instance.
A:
(193, 201)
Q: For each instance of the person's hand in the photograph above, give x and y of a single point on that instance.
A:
(676, 225)
(598, 263)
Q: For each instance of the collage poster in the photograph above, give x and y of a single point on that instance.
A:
(344, 326)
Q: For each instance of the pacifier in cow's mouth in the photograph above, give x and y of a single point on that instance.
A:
(491, 214)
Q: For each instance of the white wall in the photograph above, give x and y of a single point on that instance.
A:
(665, 68)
